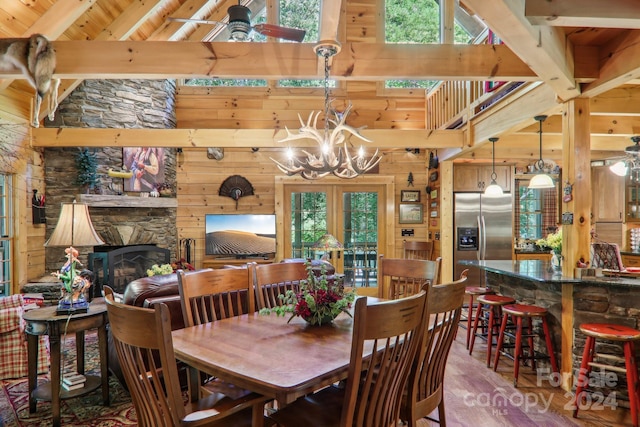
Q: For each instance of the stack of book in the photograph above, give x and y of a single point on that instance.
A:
(73, 381)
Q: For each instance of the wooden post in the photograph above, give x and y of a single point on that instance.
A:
(576, 171)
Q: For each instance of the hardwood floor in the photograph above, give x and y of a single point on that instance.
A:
(477, 396)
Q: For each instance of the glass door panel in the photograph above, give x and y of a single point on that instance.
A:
(350, 213)
(360, 238)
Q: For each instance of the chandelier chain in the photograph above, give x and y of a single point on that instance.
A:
(326, 92)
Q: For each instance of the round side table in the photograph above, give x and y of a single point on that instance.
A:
(43, 321)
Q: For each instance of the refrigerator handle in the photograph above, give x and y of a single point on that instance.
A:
(483, 240)
(480, 238)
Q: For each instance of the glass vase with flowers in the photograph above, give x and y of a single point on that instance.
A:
(319, 299)
(553, 242)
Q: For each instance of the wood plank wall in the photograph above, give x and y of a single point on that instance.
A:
(275, 108)
(199, 180)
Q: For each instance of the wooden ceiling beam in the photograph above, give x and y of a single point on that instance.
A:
(356, 61)
(260, 138)
(584, 13)
(622, 101)
(619, 63)
(545, 49)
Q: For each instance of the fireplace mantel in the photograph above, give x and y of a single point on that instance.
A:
(111, 201)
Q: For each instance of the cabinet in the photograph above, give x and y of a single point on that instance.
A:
(216, 263)
(607, 202)
(632, 198)
(478, 177)
(524, 256)
(630, 260)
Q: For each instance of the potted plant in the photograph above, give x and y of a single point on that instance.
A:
(87, 166)
(318, 301)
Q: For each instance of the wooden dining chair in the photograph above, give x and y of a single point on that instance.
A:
(374, 387)
(400, 277)
(413, 249)
(139, 334)
(208, 296)
(272, 280)
(427, 375)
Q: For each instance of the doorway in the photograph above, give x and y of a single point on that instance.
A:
(355, 214)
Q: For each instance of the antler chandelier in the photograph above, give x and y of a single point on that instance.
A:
(333, 155)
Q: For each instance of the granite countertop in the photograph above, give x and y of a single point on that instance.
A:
(541, 271)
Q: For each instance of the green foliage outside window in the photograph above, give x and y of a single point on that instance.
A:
(417, 23)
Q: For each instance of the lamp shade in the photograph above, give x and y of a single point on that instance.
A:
(541, 180)
(74, 227)
(493, 190)
(327, 243)
(619, 168)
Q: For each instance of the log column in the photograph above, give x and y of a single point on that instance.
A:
(576, 171)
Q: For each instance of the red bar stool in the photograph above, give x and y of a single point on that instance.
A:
(520, 312)
(611, 332)
(492, 305)
(473, 292)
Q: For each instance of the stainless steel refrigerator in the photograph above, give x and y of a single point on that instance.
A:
(483, 228)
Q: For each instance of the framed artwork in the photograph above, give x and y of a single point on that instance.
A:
(410, 213)
(409, 196)
(434, 194)
(147, 165)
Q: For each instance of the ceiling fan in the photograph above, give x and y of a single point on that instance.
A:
(240, 26)
(630, 162)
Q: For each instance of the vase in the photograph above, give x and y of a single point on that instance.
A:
(315, 321)
(556, 261)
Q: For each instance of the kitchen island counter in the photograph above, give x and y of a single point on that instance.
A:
(570, 302)
(541, 271)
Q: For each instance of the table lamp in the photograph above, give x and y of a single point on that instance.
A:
(327, 243)
(74, 228)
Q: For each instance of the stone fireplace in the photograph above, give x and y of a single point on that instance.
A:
(120, 219)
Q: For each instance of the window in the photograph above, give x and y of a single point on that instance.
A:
(536, 211)
(419, 22)
(6, 234)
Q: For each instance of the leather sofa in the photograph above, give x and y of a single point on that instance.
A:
(148, 291)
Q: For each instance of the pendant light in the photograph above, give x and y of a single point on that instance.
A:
(541, 180)
(493, 190)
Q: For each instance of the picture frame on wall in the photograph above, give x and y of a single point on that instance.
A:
(147, 167)
(410, 213)
(409, 196)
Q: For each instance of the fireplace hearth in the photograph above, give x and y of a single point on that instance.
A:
(117, 266)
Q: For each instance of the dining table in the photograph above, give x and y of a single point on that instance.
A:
(280, 357)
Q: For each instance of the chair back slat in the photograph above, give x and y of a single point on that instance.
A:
(413, 249)
(400, 277)
(210, 295)
(375, 387)
(142, 338)
(272, 280)
(427, 375)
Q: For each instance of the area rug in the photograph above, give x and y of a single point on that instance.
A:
(82, 411)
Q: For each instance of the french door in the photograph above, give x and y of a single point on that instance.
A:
(354, 213)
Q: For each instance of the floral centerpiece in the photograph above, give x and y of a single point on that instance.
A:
(318, 301)
(553, 242)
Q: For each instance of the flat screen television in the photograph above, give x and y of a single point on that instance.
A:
(240, 235)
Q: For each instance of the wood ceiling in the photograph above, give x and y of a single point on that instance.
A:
(577, 48)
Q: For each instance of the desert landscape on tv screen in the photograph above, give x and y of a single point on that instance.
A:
(240, 235)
